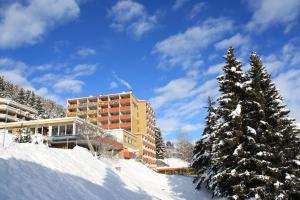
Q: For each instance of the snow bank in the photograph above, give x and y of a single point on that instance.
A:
(30, 171)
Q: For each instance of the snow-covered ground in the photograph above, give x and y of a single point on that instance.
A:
(30, 171)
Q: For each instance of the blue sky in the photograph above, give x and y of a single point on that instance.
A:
(168, 52)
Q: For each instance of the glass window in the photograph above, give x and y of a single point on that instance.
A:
(62, 129)
(69, 129)
(54, 130)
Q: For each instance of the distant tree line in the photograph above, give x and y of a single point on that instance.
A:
(46, 108)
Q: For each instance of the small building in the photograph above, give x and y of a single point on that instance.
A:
(11, 111)
(68, 132)
(129, 142)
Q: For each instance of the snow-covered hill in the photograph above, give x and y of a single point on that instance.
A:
(30, 171)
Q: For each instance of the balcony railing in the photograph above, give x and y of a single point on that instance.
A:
(127, 100)
(71, 114)
(125, 116)
(72, 106)
(81, 113)
(93, 119)
(114, 125)
(125, 125)
(92, 112)
(125, 108)
(104, 118)
(114, 109)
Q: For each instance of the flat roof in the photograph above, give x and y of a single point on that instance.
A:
(44, 122)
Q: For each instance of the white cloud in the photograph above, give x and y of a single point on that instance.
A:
(68, 85)
(26, 23)
(173, 91)
(123, 82)
(181, 100)
(85, 52)
(17, 77)
(197, 8)
(168, 125)
(289, 83)
(113, 85)
(267, 13)
(215, 69)
(184, 49)
(132, 17)
(179, 3)
(83, 70)
(235, 41)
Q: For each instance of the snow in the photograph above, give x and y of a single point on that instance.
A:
(239, 148)
(34, 171)
(237, 111)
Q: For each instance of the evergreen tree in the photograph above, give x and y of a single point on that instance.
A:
(32, 100)
(27, 97)
(39, 107)
(2, 87)
(9, 89)
(160, 145)
(21, 98)
(231, 143)
(276, 133)
(204, 150)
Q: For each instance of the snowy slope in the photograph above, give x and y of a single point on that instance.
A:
(31, 171)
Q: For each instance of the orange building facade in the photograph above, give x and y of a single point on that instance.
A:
(120, 111)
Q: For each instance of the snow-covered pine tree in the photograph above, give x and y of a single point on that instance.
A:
(204, 150)
(27, 97)
(15, 92)
(39, 107)
(277, 156)
(21, 98)
(230, 173)
(2, 87)
(9, 89)
(160, 145)
(32, 100)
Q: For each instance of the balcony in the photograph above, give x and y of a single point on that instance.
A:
(127, 100)
(71, 114)
(93, 119)
(103, 110)
(114, 117)
(114, 102)
(125, 125)
(125, 108)
(90, 112)
(104, 118)
(105, 126)
(125, 117)
(92, 104)
(72, 106)
(114, 126)
(81, 113)
(114, 109)
(103, 103)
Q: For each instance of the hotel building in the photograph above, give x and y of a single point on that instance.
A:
(120, 111)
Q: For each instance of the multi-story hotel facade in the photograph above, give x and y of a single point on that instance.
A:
(120, 111)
